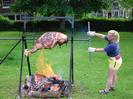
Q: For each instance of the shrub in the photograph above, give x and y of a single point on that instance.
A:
(5, 23)
(97, 24)
(104, 24)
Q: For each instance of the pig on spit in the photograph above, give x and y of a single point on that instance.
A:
(47, 41)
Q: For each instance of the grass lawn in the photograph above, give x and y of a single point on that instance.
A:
(89, 77)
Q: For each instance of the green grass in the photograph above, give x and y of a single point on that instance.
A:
(89, 77)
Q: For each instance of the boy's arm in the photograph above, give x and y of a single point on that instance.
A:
(99, 50)
(91, 49)
(93, 33)
(100, 35)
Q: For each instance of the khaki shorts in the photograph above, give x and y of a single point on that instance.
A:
(115, 63)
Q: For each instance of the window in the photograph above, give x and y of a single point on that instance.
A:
(6, 3)
(116, 13)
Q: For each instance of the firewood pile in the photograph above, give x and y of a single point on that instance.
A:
(39, 86)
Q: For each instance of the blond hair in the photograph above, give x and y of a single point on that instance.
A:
(116, 35)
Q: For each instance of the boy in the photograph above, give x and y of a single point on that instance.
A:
(113, 52)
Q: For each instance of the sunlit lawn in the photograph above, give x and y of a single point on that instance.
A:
(89, 77)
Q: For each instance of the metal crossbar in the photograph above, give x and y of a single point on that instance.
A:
(39, 18)
(89, 43)
(36, 38)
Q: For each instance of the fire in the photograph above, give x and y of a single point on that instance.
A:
(43, 68)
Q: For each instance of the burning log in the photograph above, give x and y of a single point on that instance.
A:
(47, 41)
(45, 87)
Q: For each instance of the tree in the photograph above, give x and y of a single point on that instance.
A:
(74, 8)
(128, 4)
(86, 6)
(27, 6)
(58, 7)
(55, 7)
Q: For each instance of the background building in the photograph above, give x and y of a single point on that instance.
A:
(5, 10)
(5, 6)
(117, 11)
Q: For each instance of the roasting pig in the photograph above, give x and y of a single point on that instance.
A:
(47, 41)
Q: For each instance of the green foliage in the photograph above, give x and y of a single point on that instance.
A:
(5, 20)
(126, 3)
(105, 24)
(98, 24)
(27, 6)
(55, 7)
(90, 17)
(58, 7)
(5, 23)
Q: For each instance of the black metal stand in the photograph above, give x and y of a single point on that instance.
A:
(24, 46)
(21, 67)
(71, 78)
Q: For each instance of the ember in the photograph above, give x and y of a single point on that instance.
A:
(42, 86)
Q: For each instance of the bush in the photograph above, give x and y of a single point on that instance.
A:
(5, 23)
(104, 24)
(33, 26)
(97, 24)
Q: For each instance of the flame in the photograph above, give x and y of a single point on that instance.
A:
(42, 67)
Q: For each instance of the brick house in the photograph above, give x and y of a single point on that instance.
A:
(5, 10)
(5, 5)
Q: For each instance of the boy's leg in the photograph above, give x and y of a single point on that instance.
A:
(114, 79)
(110, 79)
(109, 82)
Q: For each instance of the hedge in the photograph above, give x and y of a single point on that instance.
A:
(5, 23)
(104, 25)
(82, 25)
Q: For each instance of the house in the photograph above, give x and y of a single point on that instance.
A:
(4, 6)
(5, 10)
(117, 11)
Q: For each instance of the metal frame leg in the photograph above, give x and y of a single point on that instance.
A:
(28, 60)
(21, 68)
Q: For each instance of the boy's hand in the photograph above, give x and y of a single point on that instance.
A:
(91, 33)
(91, 49)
